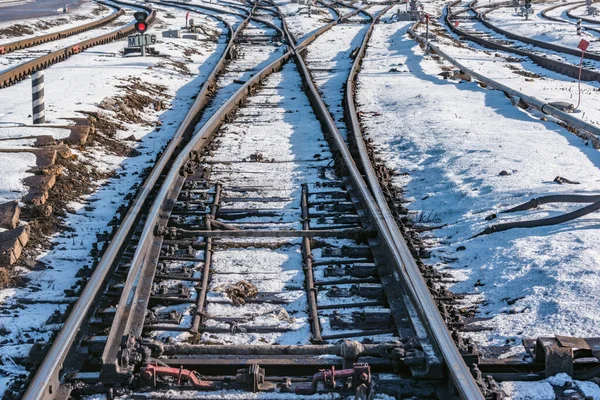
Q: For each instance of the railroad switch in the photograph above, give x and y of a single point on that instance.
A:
(363, 290)
(354, 270)
(362, 320)
(151, 372)
(357, 378)
(254, 378)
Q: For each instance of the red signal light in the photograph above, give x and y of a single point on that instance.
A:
(141, 27)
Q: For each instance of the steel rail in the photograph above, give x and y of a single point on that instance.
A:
(528, 100)
(132, 298)
(586, 19)
(405, 267)
(6, 48)
(19, 72)
(481, 16)
(187, 6)
(570, 70)
(198, 140)
(565, 21)
(569, 15)
(123, 325)
(46, 378)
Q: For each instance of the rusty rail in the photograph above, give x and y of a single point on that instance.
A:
(546, 108)
(569, 70)
(405, 265)
(47, 376)
(34, 41)
(13, 75)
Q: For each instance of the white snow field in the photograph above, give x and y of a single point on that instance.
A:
(464, 152)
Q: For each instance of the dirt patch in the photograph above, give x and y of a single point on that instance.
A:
(77, 180)
(519, 71)
(22, 30)
(5, 278)
(239, 292)
(130, 106)
(16, 30)
(104, 129)
(178, 66)
(101, 122)
(188, 51)
(99, 10)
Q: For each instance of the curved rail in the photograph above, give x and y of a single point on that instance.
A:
(585, 19)
(539, 43)
(129, 305)
(21, 71)
(528, 100)
(545, 62)
(405, 264)
(565, 21)
(47, 375)
(34, 41)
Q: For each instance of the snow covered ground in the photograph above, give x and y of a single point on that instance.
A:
(329, 59)
(537, 27)
(302, 24)
(465, 152)
(581, 11)
(88, 78)
(523, 75)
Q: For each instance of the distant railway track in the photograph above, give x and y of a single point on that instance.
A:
(565, 68)
(19, 72)
(186, 168)
(6, 48)
(571, 6)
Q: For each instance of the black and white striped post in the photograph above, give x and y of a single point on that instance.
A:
(37, 96)
(578, 27)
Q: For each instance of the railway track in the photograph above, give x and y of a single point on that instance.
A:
(262, 252)
(541, 349)
(178, 261)
(9, 47)
(569, 7)
(21, 70)
(523, 46)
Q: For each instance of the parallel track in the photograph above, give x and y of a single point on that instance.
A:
(568, 69)
(571, 6)
(399, 273)
(15, 74)
(6, 48)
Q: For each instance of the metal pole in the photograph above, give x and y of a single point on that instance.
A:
(578, 27)
(37, 97)
(143, 47)
(426, 34)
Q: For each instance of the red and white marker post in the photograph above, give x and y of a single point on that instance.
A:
(583, 46)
